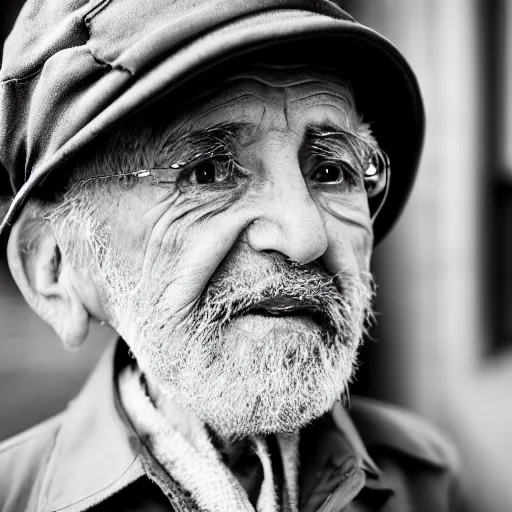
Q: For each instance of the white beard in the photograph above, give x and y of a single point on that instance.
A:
(248, 374)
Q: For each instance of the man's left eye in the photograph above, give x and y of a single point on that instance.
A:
(329, 172)
(209, 172)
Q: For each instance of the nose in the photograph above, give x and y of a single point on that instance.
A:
(289, 221)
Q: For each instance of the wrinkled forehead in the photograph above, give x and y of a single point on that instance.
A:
(277, 96)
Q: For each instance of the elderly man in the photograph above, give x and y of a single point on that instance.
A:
(210, 178)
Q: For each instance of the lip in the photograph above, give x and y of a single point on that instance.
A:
(284, 306)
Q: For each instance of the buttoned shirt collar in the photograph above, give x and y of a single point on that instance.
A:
(97, 452)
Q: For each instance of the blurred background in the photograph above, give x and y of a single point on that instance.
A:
(444, 344)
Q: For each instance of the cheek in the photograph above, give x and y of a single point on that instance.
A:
(172, 249)
(350, 233)
(349, 248)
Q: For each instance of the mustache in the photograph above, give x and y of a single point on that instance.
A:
(335, 299)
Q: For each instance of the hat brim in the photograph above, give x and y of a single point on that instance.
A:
(387, 92)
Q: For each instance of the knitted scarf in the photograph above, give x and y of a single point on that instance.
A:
(182, 445)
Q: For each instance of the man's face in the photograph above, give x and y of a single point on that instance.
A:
(241, 285)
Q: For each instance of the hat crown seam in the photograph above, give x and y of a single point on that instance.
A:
(74, 22)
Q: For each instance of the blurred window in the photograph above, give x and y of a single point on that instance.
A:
(498, 41)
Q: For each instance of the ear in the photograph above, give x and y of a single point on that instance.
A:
(46, 279)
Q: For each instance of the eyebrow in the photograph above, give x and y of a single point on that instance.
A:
(226, 133)
(334, 130)
(325, 127)
(183, 146)
(328, 132)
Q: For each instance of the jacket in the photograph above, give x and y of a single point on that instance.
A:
(372, 457)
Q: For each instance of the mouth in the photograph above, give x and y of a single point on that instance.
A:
(287, 307)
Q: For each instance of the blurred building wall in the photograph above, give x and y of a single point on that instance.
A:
(436, 352)
(506, 123)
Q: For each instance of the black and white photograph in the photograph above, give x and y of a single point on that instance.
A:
(256, 256)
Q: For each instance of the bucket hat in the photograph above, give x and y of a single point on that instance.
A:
(74, 68)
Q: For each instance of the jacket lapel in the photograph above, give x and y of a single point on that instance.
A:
(95, 455)
(335, 466)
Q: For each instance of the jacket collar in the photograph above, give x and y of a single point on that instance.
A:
(97, 452)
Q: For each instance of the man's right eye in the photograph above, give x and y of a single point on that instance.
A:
(209, 172)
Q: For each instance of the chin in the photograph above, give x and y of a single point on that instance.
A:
(239, 411)
(268, 377)
(233, 422)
